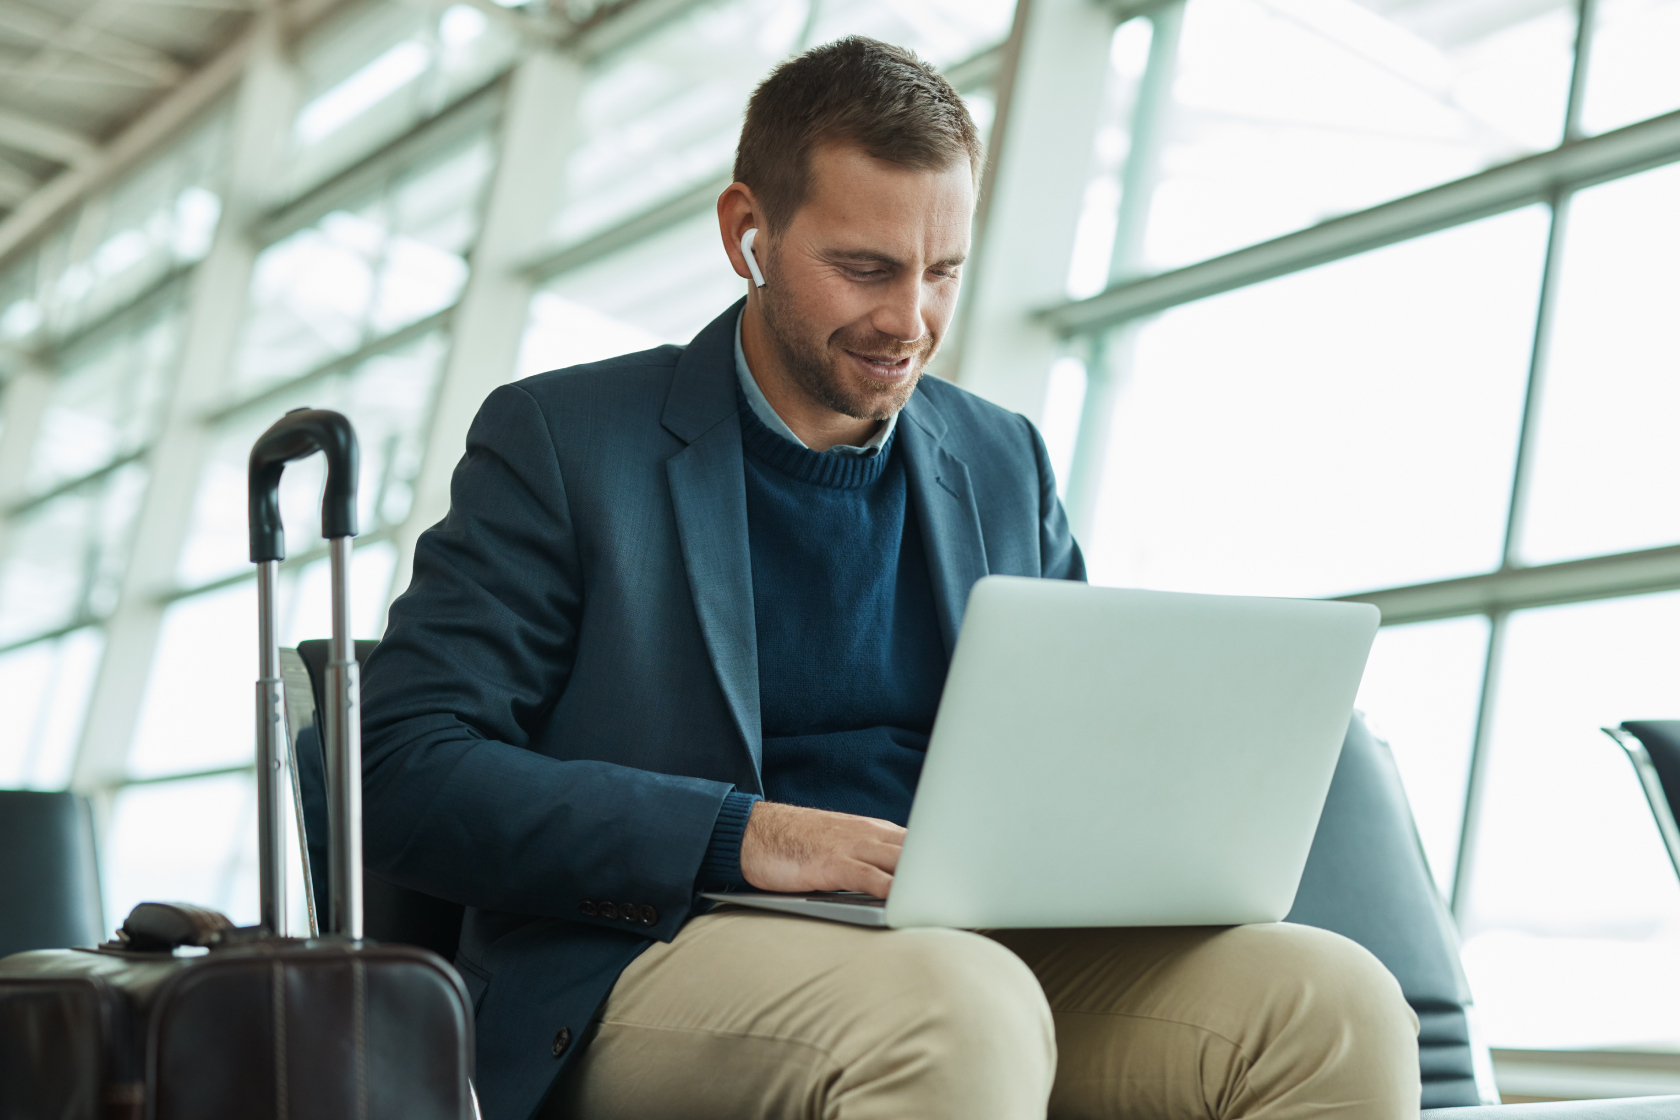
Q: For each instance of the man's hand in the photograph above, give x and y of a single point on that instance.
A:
(786, 848)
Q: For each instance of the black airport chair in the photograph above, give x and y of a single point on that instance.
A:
(1653, 746)
(49, 877)
(389, 912)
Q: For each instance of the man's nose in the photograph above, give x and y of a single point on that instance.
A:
(900, 313)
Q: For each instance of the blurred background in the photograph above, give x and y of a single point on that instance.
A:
(1364, 298)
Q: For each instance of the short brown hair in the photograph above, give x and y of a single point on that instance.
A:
(855, 90)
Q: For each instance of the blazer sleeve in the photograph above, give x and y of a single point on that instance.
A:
(478, 649)
(1058, 552)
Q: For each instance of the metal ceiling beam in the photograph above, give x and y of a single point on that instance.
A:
(201, 5)
(174, 110)
(83, 71)
(15, 186)
(39, 138)
(1525, 182)
(88, 34)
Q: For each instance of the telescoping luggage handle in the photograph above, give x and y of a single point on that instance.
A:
(297, 435)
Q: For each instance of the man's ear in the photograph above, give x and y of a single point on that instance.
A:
(738, 211)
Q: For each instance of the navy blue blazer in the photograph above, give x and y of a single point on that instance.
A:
(569, 686)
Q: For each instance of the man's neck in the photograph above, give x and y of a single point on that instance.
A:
(817, 426)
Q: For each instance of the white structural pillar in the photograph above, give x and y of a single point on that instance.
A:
(486, 329)
(1042, 160)
(1109, 356)
(214, 317)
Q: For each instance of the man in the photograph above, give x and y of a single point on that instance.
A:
(685, 627)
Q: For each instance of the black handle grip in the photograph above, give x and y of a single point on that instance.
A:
(297, 435)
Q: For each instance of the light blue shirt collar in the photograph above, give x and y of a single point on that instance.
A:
(767, 415)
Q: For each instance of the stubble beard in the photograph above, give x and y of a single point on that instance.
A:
(814, 364)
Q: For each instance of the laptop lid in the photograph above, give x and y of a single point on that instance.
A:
(1067, 785)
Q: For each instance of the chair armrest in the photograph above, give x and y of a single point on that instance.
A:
(1624, 1108)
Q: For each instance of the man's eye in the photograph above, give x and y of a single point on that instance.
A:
(867, 273)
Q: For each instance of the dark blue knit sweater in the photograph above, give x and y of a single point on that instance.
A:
(850, 658)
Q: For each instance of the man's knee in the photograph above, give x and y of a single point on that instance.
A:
(962, 1010)
(1340, 1030)
(959, 982)
(1337, 979)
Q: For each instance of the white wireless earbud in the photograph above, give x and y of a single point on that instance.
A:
(752, 261)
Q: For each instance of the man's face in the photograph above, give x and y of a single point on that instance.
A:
(862, 283)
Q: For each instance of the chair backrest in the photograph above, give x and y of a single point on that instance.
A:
(49, 877)
(389, 912)
(1661, 740)
(1367, 879)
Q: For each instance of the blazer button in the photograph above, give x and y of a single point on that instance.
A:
(587, 907)
(627, 911)
(562, 1041)
(608, 910)
(648, 915)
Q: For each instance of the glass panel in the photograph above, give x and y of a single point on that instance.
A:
(1606, 475)
(1573, 922)
(306, 604)
(1349, 427)
(21, 313)
(1099, 214)
(197, 711)
(941, 31)
(664, 115)
(1632, 73)
(1288, 112)
(1421, 692)
(379, 70)
(660, 290)
(192, 840)
(44, 692)
(65, 557)
(363, 271)
(389, 400)
(158, 217)
(107, 400)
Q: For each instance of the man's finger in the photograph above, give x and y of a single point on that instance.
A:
(884, 856)
(870, 880)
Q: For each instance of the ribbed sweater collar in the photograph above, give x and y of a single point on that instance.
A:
(838, 472)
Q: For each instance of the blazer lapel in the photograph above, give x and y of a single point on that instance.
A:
(709, 497)
(944, 498)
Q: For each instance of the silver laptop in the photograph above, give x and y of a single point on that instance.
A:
(1106, 757)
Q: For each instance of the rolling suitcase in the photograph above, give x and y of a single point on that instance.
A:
(183, 1016)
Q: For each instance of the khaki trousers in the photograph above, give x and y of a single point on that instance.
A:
(749, 1014)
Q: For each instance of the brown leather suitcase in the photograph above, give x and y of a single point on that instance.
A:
(183, 1016)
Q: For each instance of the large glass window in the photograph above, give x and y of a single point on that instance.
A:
(43, 691)
(65, 555)
(1421, 693)
(1607, 466)
(1573, 913)
(193, 839)
(660, 290)
(107, 399)
(1632, 74)
(364, 269)
(1340, 429)
(1288, 112)
(378, 70)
